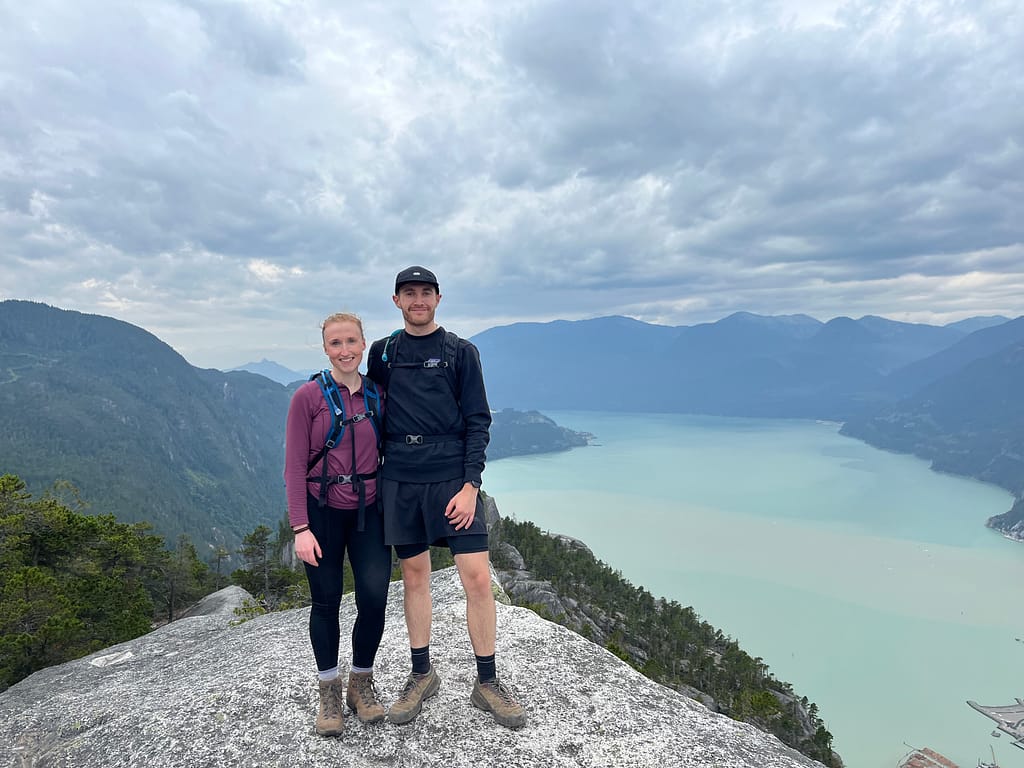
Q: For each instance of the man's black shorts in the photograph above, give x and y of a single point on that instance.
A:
(414, 515)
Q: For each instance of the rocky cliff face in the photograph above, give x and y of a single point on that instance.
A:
(205, 692)
(525, 589)
(518, 433)
(1010, 524)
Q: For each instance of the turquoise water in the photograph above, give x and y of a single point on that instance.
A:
(863, 578)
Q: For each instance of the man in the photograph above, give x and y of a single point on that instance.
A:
(436, 431)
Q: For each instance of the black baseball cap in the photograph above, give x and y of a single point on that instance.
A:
(416, 275)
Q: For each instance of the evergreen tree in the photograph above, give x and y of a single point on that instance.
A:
(220, 555)
(266, 574)
(183, 578)
(70, 583)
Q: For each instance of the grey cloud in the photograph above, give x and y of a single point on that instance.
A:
(258, 42)
(667, 160)
(785, 94)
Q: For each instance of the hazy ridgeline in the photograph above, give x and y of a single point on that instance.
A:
(144, 435)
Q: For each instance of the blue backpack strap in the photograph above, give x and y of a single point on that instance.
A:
(336, 406)
(338, 421)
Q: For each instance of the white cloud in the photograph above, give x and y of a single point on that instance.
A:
(264, 271)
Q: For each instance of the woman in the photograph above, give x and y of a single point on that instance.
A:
(332, 506)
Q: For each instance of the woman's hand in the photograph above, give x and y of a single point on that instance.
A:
(307, 547)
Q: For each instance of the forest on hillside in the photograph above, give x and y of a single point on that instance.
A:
(73, 583)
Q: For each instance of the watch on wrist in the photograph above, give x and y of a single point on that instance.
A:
(475, 484)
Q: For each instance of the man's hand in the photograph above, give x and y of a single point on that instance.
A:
(307, 547)
(462, 508)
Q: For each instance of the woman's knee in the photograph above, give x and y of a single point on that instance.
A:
(327, 609)
(372, 593)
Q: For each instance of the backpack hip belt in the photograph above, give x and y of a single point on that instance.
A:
(346, 479)
(356, 481)
(424, 439)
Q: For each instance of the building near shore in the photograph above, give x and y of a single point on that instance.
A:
(926, 758)
(1009, 719)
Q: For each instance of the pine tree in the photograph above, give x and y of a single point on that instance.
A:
(70, 583)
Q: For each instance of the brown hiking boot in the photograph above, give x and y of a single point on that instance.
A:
(330, 721)
(495, 698)
(361, 697)
(410, 701)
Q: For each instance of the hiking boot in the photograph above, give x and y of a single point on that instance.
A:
(361, 697)
(410, 701)
(330, 721)
(495, 698)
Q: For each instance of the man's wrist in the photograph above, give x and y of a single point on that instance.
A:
(474, 483)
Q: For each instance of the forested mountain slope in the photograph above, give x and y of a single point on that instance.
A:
(141, 433)
(970, 422)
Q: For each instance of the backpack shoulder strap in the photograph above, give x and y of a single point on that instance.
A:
(385, 367)
(337, 408)
(450, 354)
(449, 357)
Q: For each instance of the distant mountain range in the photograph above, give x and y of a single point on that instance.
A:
(274, 371)
(143, 434)
(745, 364)
(952, 394)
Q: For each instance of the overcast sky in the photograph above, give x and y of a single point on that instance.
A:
(225, 174)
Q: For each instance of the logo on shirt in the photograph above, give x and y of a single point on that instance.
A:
(433, 362)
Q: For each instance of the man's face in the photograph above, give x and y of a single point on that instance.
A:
(418, 301)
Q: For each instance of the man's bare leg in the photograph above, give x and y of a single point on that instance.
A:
(481, 617)
(417, 603)
(418, 610)
(488, 694)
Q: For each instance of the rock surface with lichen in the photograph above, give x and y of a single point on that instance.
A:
(208, 691)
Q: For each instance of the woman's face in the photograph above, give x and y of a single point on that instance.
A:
(344, 346)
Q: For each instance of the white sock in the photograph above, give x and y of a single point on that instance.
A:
(361, 670)
(328, 674)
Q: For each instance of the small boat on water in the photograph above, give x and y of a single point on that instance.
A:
(993, 764)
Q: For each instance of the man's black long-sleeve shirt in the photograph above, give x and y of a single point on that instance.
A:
(421, 401)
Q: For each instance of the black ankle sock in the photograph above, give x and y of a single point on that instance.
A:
(485, 668)
(421, 660)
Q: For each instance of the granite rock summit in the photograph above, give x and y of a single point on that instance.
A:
(207, 691)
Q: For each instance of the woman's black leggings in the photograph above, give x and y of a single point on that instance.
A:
(335, 530)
